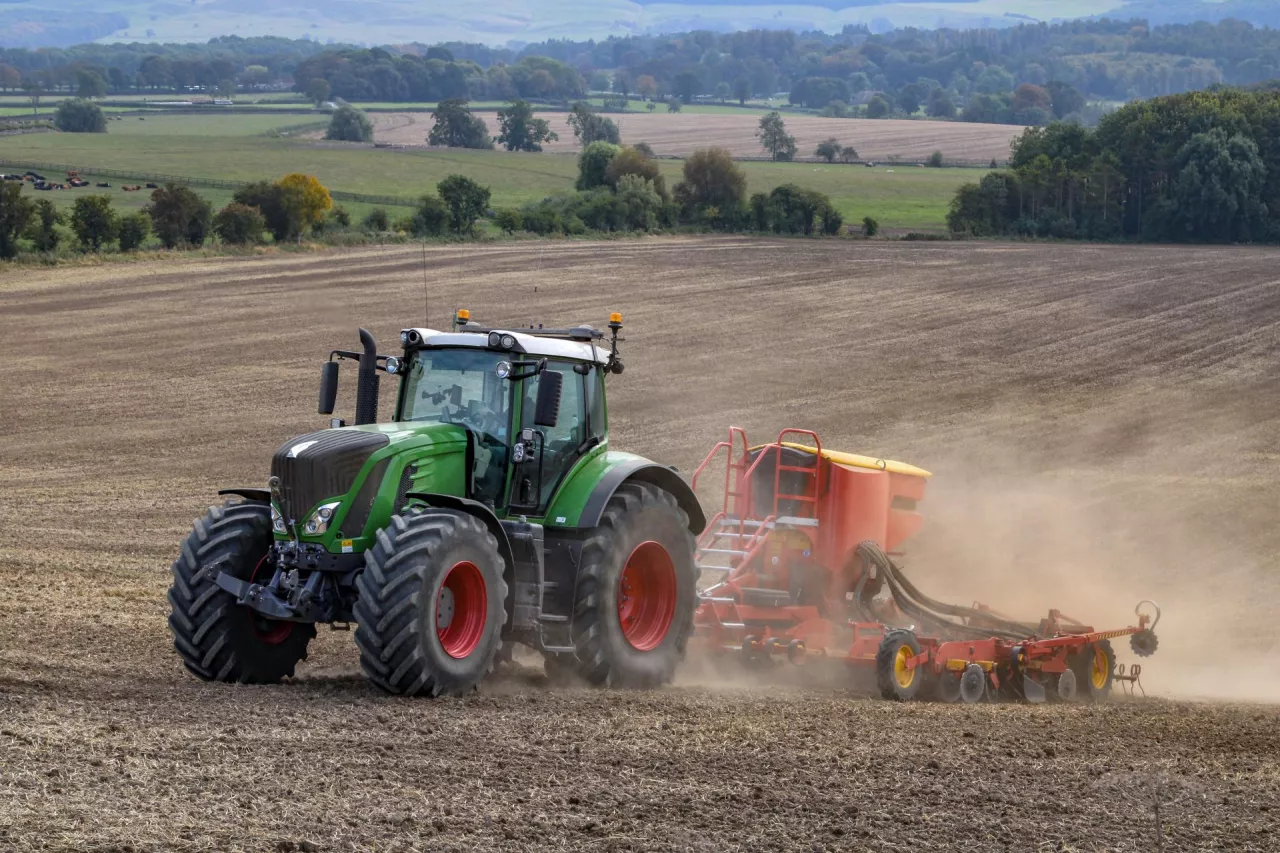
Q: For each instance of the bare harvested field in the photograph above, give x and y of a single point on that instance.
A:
(1102, 423)
(680, 133)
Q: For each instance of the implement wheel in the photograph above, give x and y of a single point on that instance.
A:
(432, 604)
(637, 589)
(1094, 667)
(218, 639)
(973, 684)
(947, 688)
(896, 680)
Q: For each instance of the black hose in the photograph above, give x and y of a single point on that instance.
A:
(933, 615)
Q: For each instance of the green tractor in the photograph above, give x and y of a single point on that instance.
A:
(489, 512)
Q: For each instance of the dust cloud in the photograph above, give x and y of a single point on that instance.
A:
(1102, 507)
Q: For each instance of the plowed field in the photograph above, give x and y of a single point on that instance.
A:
(679, 134)
(1102, 423)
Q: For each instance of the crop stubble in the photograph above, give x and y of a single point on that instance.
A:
(1101, 421)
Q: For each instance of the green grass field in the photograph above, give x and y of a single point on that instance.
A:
(210, 125)
(235, 147)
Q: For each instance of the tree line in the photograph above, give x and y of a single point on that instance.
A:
(1198, 167)
(177, 216)
(974, 74)
(618, 189)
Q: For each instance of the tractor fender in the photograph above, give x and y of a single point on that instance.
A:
(667, 479)
(261, 496)
(475, 508)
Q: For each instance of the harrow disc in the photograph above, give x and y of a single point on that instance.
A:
(1067, 686)
(948, 687)
(973, 684)
(1144, 643)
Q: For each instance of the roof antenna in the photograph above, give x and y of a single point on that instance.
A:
(537, 275)
(426, 299)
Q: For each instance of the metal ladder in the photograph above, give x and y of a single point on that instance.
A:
(735, 535)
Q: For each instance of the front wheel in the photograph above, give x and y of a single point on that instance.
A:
(636, 593)
(217, 638)
(432, 603)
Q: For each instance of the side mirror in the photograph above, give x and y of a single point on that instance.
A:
(455, 395)
(547, 410)
(328, 387)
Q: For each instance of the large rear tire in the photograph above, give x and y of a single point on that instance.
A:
(1094, 667)
(218, 639)
(894, 678)
(636, 592)
(432, 603)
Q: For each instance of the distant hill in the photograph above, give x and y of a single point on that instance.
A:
(59, 23)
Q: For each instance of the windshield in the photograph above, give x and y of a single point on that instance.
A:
(458, 386)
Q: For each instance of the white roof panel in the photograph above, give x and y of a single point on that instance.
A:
(532, 344)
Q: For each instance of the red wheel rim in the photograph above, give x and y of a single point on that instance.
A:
(647, 596)
(273, 632)
(462, 608)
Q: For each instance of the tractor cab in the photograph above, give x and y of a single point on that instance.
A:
(531, 403)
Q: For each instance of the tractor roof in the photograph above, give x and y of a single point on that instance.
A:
(528, 340)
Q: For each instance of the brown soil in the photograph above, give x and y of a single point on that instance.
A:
(1102, 423)
(679, 134)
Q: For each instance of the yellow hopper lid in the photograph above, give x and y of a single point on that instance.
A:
(856, 461)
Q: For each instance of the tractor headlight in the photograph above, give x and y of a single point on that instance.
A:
(393, 365)
(508, 342)
(277, 520)
(404, 338)
(495, 340)
(319, 521)
(503, 369)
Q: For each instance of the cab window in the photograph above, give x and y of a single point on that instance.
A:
(560, 444)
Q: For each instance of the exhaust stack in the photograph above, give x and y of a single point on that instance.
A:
(367, 381)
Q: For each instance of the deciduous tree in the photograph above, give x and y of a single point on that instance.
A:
(94, 222)
(179, 216)
(774, 138)
(240, 224)
(520, 131)
(306, 199)
(16, 211)
(712, 179)
(79, 115)
(457, 127)
(467, 201)
(589, 126)
(349, 124)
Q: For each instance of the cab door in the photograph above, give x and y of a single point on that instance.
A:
(551, 451)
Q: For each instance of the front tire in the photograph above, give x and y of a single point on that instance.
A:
(432, 603)
(637, 589)
(218, 639)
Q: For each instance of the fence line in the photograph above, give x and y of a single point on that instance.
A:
(215, 183)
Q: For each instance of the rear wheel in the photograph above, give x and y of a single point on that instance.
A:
(636, 592)
(894, 676)
(431, 604)
(1094, 668)
(218, 639)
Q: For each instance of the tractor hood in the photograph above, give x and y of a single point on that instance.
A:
(329, 464)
